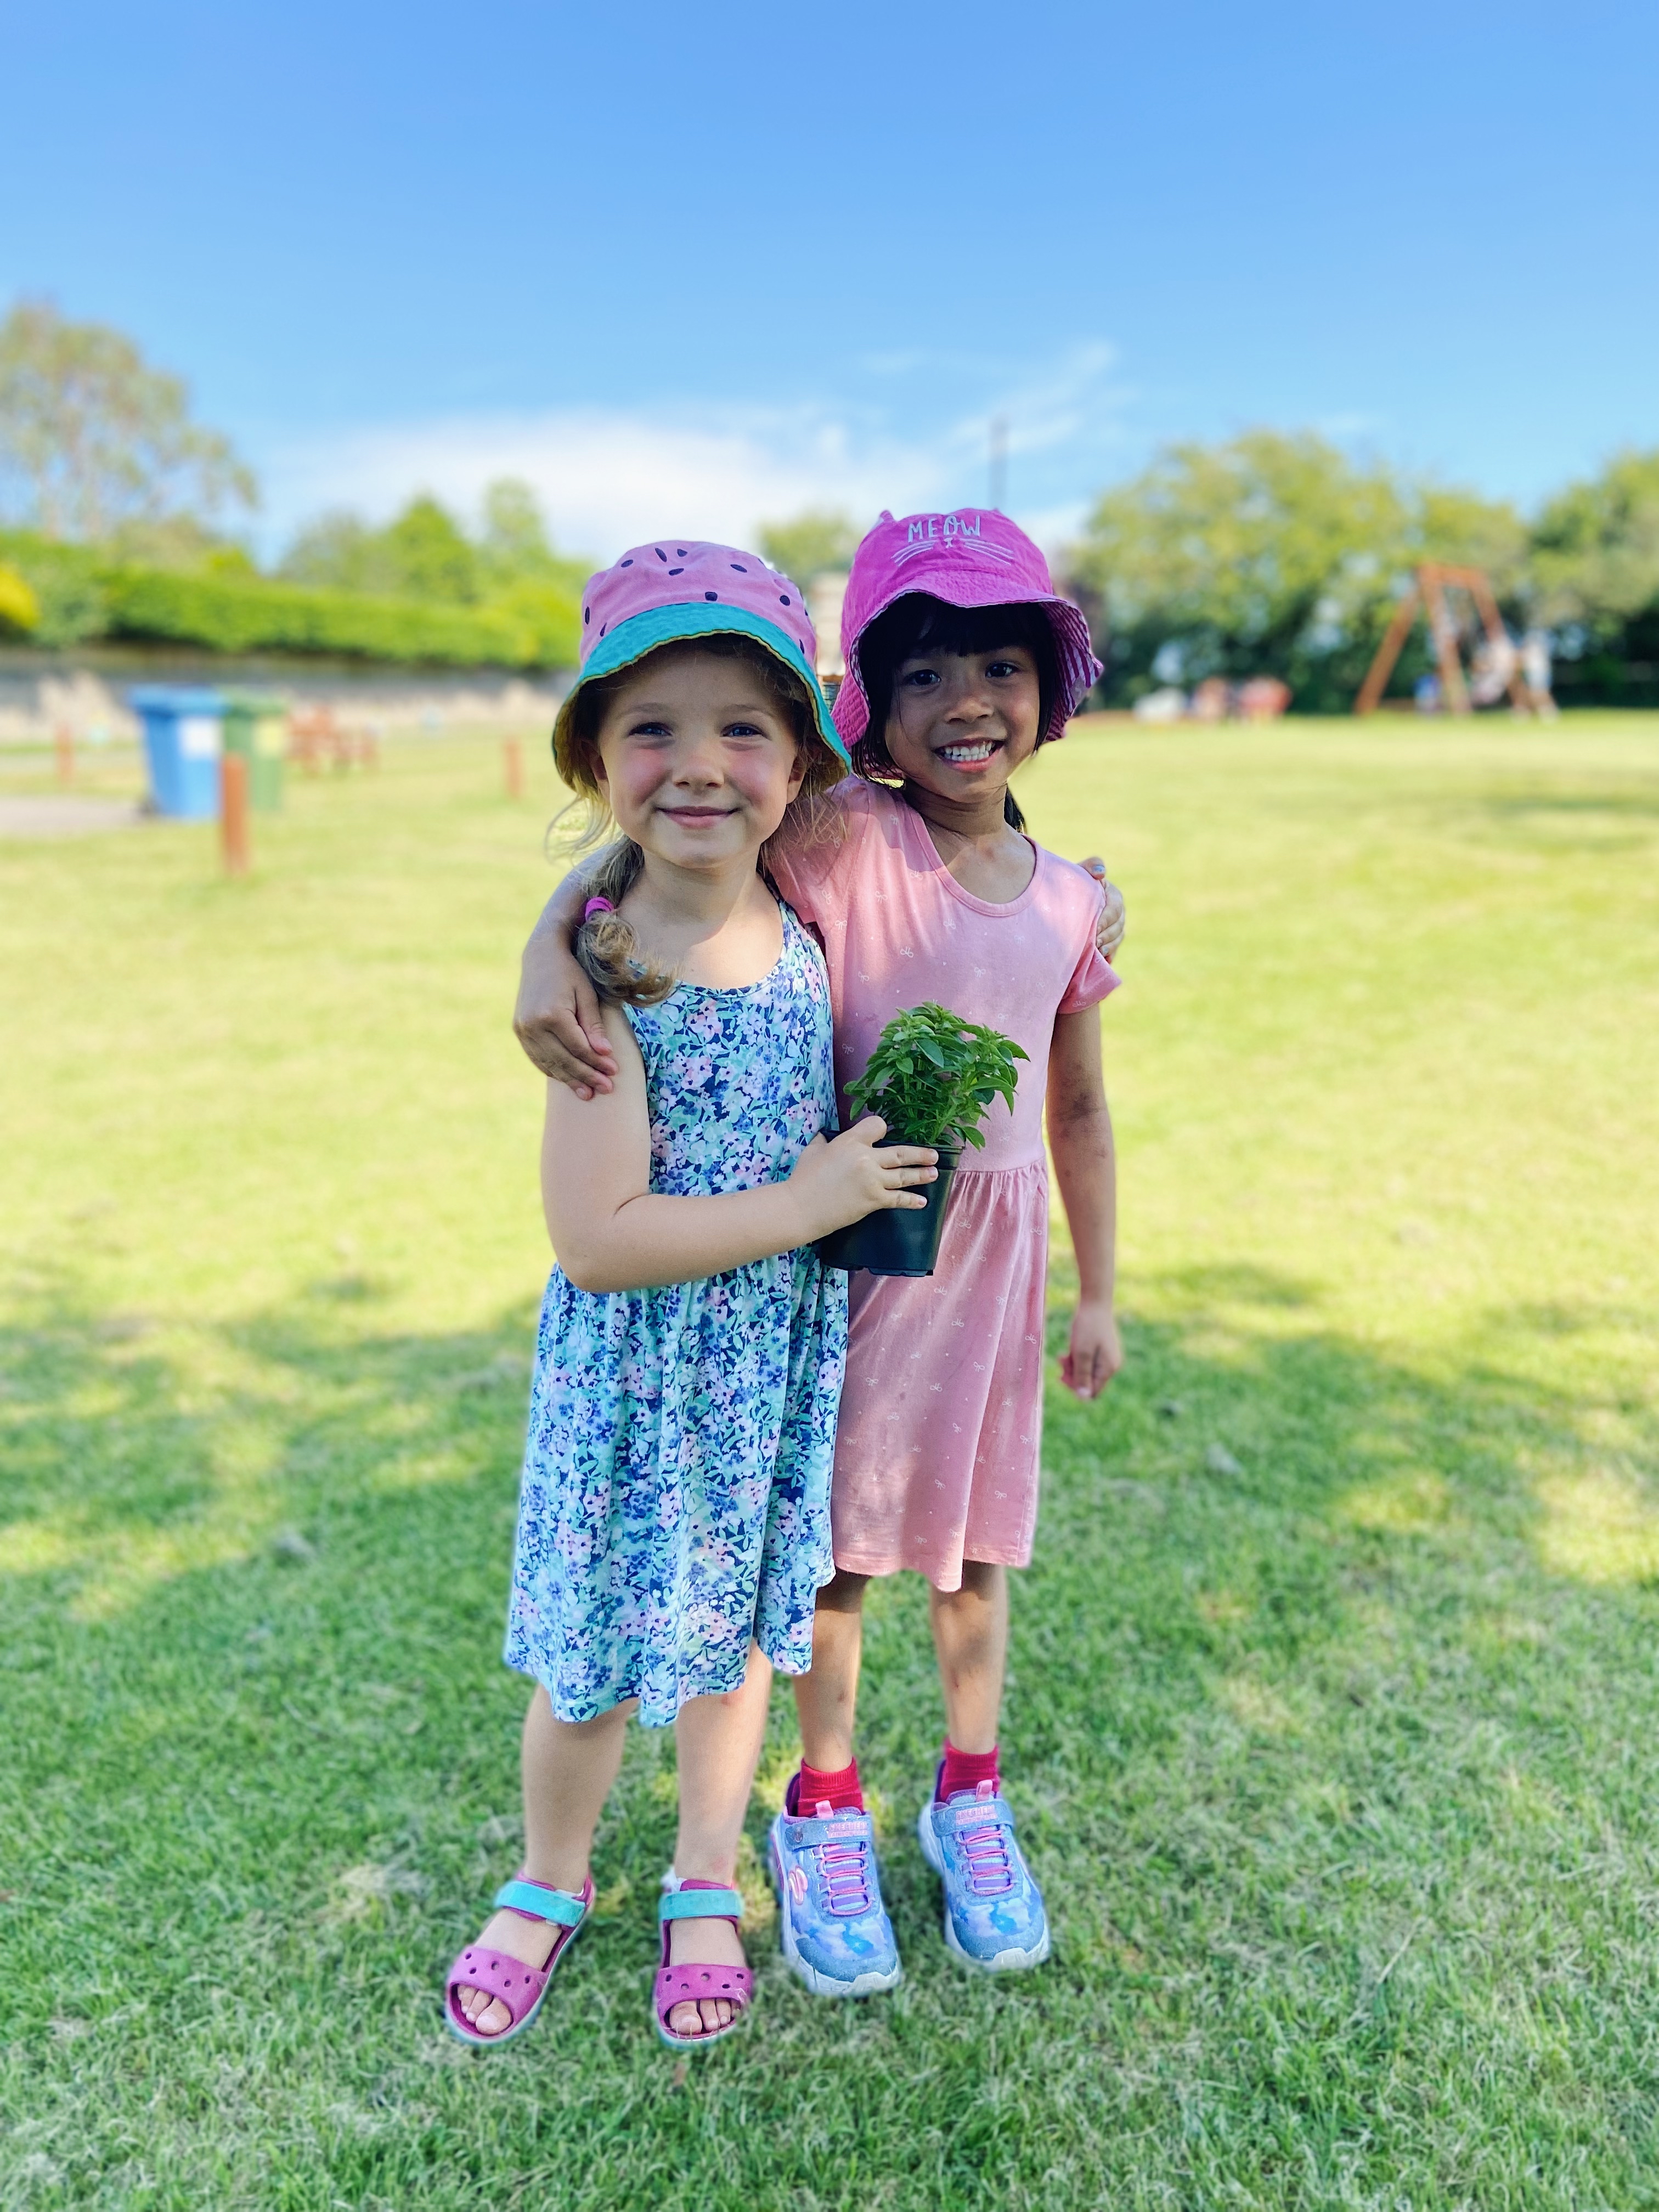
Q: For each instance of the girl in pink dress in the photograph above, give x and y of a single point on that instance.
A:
(962, 660)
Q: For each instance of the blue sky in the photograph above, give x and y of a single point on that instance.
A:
(692, 266)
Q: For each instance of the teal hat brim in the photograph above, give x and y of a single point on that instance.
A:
(637, 635)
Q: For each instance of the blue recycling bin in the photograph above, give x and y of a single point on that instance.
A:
(184, 736)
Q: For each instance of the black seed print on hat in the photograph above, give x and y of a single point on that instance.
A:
(603, 627)
(628, 563)
(677, 572)
(711, 595)
(680, 549)
(661, 556)
(588, 614)
(739, 566)
(783, 598)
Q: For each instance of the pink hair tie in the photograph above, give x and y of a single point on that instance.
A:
(596, 906)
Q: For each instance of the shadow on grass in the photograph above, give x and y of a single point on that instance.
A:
(1593, 823)
(1329, 1746)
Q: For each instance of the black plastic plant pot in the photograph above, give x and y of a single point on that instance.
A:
(900, 1240)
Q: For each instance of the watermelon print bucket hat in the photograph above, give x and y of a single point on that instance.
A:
(972, 557)
(673, 589)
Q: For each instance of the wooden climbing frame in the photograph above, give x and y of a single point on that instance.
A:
(1428, 592)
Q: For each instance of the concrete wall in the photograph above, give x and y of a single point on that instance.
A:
(85, 692)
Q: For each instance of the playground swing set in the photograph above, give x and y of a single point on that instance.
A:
(1502, 671)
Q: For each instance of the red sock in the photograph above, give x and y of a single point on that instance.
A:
(965, 1770)
(814, 1786)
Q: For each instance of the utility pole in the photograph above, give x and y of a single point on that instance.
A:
(999, 462)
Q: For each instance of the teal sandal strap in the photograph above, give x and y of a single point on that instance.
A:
(700, 1904)
(541, 1903)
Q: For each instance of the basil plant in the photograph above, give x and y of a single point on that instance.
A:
(932, 1076)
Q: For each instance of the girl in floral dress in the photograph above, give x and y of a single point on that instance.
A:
(674, 1526)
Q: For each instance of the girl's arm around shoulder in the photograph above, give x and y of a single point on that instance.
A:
(1109, 922)
(557, 1017)
(1085, 1167)
(611, 1231)
(1113, 920)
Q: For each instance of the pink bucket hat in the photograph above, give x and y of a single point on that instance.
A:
(973, 557)
(677, 588)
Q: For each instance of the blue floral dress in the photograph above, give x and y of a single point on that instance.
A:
(676, 1491)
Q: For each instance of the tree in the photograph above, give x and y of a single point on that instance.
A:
(1596, 565)
(1468, 532)
(1272, 554)
(809, 543)
(20, 605)
(513, 543)
(425, 555)
(94, 440)
(1596, 545)
(421, 554)
(338, 552)
(429, 554)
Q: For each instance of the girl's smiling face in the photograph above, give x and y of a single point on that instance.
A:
(961, 723)
(697, 760)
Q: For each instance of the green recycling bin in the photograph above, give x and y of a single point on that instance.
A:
(256, 726)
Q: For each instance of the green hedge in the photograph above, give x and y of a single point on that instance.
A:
(65, 580)
(84, 596)
(244, 618)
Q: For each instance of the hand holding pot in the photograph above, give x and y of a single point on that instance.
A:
(841, 1181)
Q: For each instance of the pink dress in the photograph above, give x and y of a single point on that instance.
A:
(941, 1413)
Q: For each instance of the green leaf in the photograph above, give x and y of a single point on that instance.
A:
(932, 1076)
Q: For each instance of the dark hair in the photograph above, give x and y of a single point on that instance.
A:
(921, 623)
(606, 946)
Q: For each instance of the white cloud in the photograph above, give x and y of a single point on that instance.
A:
(1344, 429)
(609, 477)
(1056, 527)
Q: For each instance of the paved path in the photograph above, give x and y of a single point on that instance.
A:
(51, 816)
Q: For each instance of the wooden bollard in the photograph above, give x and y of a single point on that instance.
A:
(513, 754)
(62, 745)
(232, 812)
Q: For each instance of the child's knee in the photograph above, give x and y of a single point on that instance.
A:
(845, 1593)
(984, 1577)
(596, 1724)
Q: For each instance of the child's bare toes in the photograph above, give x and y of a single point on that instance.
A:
(487, 2014)
(712, 1943)
(521, 1936)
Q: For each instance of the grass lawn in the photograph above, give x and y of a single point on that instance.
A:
(1334, 1718)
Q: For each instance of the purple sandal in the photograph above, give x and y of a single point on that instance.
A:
(519, 1988)
(695, 1983)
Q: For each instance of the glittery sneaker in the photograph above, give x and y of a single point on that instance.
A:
(837, 1935)
(994, 1914)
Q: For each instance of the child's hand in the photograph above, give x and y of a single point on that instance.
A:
(1108, 930)
(557, 1019)
(1096, 1351)
(840, 1181)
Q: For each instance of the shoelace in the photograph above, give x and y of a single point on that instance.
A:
(985, 1855)
(843, 1867)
